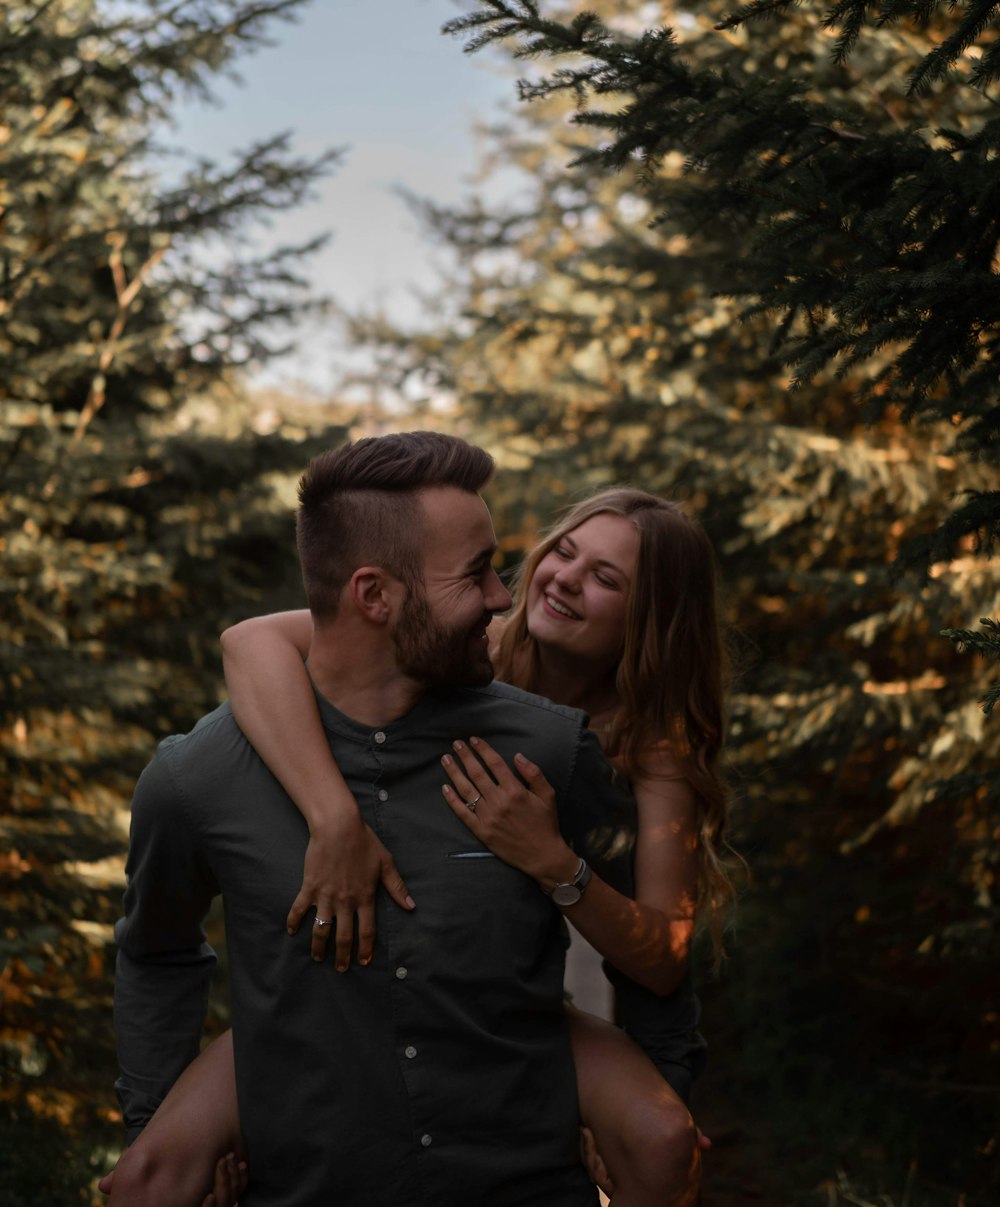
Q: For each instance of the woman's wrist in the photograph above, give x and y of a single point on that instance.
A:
(334, 816)
(560, 869)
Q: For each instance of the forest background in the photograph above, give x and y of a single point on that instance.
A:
(757, 270)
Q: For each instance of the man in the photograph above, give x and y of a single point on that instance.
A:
(441, 1073)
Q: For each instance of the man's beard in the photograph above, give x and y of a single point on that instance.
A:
(438, 656)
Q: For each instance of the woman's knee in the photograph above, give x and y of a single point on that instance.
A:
(147, 1176)
(135, 1177)
(661, 1143)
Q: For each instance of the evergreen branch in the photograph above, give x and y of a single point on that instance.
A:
(126, 293)
(851, 15)
(980, 16)
(758, 8)
(85, 324)
(192, 39)
(978, 518)
(987, 70)
(262, 178)
(986, 643)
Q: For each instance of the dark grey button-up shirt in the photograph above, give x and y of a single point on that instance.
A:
(442, 1073)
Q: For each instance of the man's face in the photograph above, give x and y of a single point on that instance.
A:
(441, 632)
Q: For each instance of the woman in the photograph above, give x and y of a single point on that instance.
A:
(615, 614)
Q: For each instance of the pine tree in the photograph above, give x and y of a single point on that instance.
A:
(594, 337)
(103, 265)
(144, 506)
(870, 211)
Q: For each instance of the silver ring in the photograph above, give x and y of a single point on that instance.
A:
(471, 804)
(322, 922)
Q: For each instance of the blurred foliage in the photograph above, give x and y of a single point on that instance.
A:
(590, 335)
(114, 594)
(843, 160)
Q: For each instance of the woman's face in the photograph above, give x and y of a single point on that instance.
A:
(578, 595)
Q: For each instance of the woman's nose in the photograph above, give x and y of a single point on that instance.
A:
(568, 577)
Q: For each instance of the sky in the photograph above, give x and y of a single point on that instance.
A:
(378, 78)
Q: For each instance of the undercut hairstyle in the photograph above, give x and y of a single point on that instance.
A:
(359, 506)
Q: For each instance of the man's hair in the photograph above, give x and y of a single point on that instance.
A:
(358, 506)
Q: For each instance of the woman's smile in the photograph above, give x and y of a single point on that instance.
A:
(578, 596)
(560, 609)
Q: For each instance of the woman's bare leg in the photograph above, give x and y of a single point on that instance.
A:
(642, 1131)
(173, 1163)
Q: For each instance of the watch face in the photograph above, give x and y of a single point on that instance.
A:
(566, 894)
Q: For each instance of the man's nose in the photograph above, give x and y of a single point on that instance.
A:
(496, 595)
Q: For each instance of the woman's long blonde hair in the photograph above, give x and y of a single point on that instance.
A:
(671, 679)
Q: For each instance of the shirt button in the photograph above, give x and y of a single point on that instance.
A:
(382, 794)
(379, 737)
(426, 1140)
(400, 973)
(410, 1052)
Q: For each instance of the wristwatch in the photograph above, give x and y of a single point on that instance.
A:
(570, 893)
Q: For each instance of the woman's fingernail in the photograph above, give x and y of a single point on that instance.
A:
(446, 760)
(411, 903)
(474, 741)
(458, 745)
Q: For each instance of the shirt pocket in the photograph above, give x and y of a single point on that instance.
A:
(498, 920)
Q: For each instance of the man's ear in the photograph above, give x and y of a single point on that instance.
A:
(375, 593)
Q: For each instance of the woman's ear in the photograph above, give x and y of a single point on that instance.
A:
(375, 594)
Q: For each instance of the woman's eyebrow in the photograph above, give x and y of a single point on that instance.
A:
(598, 561)
(603, 561)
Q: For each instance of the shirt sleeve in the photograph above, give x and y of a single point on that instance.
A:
(164, 962)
